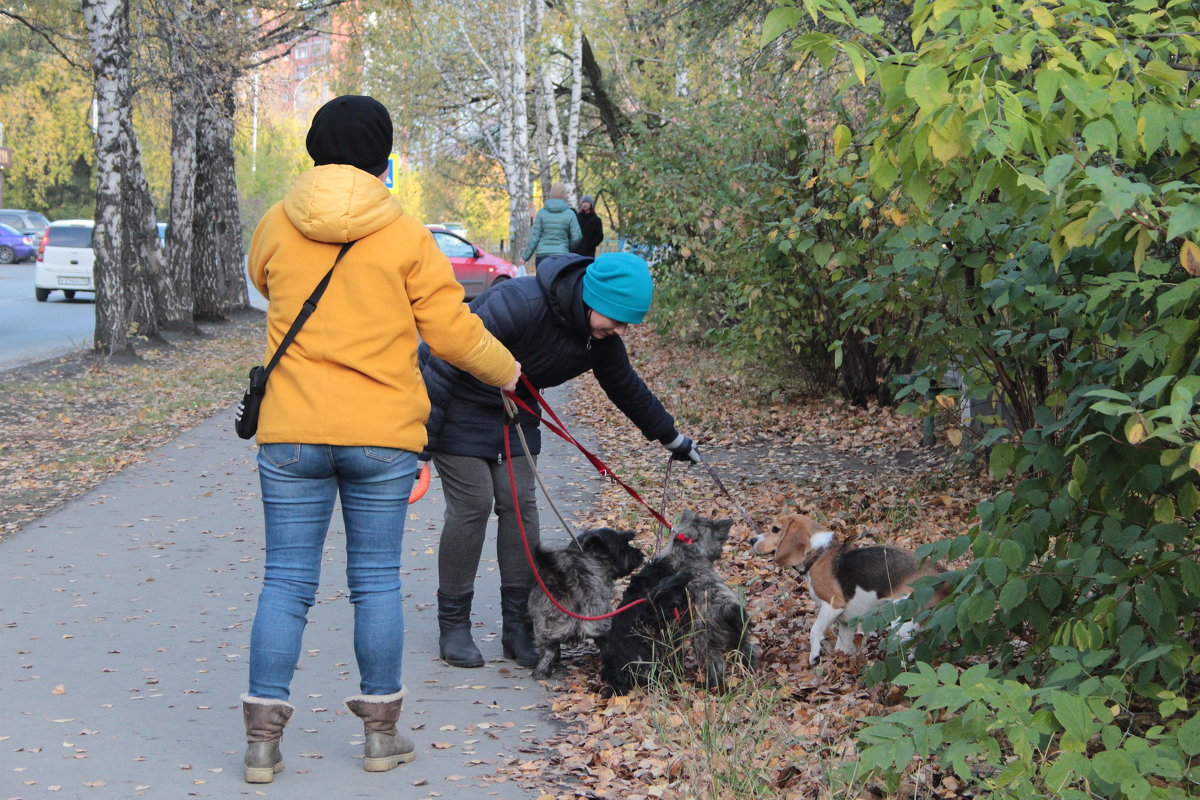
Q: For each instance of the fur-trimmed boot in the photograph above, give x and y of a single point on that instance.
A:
(516, 633)
(455, 644)
(265, 720)
(385, 748)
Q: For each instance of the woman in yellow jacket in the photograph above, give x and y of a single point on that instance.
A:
(344, 413)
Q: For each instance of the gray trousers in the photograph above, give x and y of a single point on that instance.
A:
(472, 488)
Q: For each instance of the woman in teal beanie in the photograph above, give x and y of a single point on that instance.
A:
(555, 228)
(566, 320)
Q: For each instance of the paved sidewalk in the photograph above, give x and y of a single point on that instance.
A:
(125, 622)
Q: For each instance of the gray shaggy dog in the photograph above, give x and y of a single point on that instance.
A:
(720, 625)
(581, 578)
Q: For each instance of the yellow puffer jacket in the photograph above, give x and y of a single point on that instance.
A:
(351, 375)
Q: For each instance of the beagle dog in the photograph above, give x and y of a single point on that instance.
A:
(845, 582)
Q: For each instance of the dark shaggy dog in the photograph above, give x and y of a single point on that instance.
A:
(651, 632)
(581, 578)
(720, 625)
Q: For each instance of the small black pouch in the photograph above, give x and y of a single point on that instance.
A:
(245, 422)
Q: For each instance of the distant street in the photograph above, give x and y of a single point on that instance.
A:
(31, 331)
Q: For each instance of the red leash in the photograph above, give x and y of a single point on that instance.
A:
(561, 429)
(512, 482)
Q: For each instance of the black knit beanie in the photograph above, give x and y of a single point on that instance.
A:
(352, 129)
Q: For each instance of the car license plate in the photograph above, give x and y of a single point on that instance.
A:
(73, 281)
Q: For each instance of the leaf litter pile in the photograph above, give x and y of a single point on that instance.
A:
(68, 423)
(776, 732)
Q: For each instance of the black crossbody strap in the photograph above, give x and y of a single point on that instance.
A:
(310, 305)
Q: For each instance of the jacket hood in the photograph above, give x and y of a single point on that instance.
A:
(556, 205)
(339, 203)
(561, 280)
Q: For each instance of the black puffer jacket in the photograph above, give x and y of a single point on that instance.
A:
(543, 321)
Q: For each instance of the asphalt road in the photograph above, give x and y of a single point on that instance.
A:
(31, 331)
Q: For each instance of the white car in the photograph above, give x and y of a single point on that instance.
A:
(65, 259)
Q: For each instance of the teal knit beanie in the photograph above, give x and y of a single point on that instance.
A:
(619, 286)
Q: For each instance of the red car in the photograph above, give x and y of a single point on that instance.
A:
(475, 268)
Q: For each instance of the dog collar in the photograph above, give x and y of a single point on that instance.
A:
(684, 538)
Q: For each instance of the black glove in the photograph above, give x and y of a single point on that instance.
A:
(424, 456)
(683, 449)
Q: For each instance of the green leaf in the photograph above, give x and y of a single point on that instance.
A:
(1046, 82)
(928, 85)
(1073, 714)
(1189, 736)
(1013, 594)
(1164, 510)
(1000, 459)
(1114, 766)
(1185, 219)
(779, 21)
(1189, 500)
(1058, 169)
(1100, 135)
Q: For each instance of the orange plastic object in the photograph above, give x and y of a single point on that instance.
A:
(422, 484)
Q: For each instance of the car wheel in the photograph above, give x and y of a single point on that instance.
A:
(41, 294)
(69, 294)
(499, 280)
(7, 254)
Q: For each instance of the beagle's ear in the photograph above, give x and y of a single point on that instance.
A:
(793, 541)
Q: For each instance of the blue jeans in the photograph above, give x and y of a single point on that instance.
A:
(300, 483)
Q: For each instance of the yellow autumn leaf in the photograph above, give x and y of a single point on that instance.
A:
(841, 140)
(1072, 232)
(1135, 431)
(1194, 458)
(1043, 17)
(954, 435)
(945, 401)
(1189, 257)
(944, 149)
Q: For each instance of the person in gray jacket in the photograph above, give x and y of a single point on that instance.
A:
(555, 228)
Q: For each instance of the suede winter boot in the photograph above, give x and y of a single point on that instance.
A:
(516, 634)
(385, 748)
(265, 720)
(454, 620)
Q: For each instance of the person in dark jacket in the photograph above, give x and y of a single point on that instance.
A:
(560, 323)
(590, 228)
(555, 229)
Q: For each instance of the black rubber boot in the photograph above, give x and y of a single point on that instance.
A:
(454, 619)
(516, 634)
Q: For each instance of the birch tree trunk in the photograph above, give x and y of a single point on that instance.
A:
(548, 128)
(176, 309)
(126, 238)
(522, 190)
(571, 170)
(176, 312)
(218, 280)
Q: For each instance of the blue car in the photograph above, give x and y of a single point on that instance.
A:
(15, 246)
